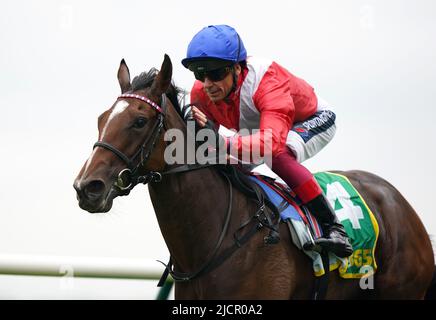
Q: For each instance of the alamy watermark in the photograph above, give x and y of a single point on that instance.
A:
(66, 17)
(367, 281)
(206, 146)
(367, 17)
(67, 280)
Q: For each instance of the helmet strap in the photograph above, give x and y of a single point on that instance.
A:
(234, 84)
(239, 48)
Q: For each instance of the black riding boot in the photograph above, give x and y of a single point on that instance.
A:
(334, 239)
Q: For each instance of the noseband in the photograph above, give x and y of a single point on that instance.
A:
(131, 173)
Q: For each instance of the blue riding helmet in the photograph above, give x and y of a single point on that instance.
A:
(215, 46)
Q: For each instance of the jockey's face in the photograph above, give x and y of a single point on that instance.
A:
(218, 90)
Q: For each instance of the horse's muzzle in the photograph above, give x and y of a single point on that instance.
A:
(93, 196)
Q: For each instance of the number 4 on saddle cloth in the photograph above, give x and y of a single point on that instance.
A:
(350, 208)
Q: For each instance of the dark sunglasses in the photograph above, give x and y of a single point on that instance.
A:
(213, 75)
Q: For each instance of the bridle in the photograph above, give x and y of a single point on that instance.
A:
(129, 177)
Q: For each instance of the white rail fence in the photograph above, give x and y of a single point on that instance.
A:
(87, 267)
(69, 268)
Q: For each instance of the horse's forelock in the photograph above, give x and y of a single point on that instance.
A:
(145, 80)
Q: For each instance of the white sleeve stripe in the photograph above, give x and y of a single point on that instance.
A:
(249, 115)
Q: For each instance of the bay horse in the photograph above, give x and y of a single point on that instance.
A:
(192, 207)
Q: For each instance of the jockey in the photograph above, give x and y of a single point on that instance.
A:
(240, 92)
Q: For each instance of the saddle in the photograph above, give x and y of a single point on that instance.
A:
(280, 199)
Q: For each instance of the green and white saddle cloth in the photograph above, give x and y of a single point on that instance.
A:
(359, 223)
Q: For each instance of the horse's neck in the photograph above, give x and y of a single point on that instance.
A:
(190, 209)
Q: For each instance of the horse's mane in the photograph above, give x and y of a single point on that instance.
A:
(174, 93)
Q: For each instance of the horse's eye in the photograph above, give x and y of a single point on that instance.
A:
(140, 123)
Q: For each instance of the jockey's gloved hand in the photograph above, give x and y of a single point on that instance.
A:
(199, 116)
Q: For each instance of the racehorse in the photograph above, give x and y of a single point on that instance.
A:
(192, 206)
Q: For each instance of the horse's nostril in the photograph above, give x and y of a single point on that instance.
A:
(94, 189)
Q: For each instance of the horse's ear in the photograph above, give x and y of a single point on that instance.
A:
(124, 77)
(163, 78)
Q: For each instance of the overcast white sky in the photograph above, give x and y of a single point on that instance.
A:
(373, 60)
